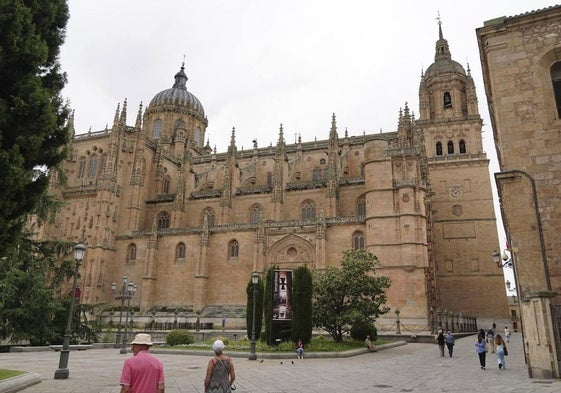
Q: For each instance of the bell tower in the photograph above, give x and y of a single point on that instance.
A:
(465, 231)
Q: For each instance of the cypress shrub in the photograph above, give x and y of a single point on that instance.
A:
(302, 288)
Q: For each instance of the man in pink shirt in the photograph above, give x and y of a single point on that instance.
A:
(143, 373)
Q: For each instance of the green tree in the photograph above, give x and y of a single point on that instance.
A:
(258, 308)
(349, 294)
(302, 291)
(32, 307)
(33, 115)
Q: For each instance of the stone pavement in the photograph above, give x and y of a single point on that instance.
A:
(408, 368)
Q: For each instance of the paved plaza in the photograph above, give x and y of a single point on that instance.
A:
(407, 368)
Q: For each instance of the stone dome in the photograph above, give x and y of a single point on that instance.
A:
(178, 96)
(444, 66)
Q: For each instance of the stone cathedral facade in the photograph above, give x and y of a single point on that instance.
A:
(189, 225)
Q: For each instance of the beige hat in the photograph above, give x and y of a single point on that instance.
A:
(142, 339)
(218, 346)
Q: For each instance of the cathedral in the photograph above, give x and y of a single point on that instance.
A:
(188, 225)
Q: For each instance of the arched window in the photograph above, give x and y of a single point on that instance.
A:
(180, 251)
(447, 100)
(269, 179)
(179, 124)
(438, 148)
(450, 147)
(131, 253)
(255, 213)
(556, 81)
(358, 241)
(82, 167)
(102, 162)
(317, 174)
(197, 138)
(361, 207)
(165, 185)
(163, 220)
(209, 214)
(233, 249)
(462, 146)
(92, 168)
(308, 210)
(157, 129)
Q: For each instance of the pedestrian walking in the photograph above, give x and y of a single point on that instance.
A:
(482, 332)
(449, 339)
(480, 349)
(491, 339)
(440, 340)
(142, 373)
(501, 351)
(220, 374)
(507, 334)
(223, 323)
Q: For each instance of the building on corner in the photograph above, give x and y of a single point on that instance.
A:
(521, 61)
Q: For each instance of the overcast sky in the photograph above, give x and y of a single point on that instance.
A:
(255, 64)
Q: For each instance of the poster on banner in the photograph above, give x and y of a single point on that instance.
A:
(282, 291)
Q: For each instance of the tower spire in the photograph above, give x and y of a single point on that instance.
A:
(440, 36)
(333, 132)
(116, 118)
(232, 147)
(181, 78)
(123, 118)
(442, 48)
(138, 124)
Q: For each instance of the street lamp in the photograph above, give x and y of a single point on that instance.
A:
(125, 293)
(508, 286)
(63, 372)
(506, 260)
(131, 290)
(254, 281)
(122, 298)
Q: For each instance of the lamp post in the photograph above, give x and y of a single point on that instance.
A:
(254, 281)
(131, 290)
(507, 260)
(121, 297)
(125, 293)
(398, 322)
(63, 372)
(508, 286)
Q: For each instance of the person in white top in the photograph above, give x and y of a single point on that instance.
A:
(507, 334)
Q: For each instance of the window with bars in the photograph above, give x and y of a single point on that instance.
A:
(163, 220)
(234, 249)
(180, 251)
(210, 217)
(255, 213)
(358, 241)
(361, 207)
(131, 253)
(308, 210)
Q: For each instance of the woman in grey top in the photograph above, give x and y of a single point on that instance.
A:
(220, 374)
